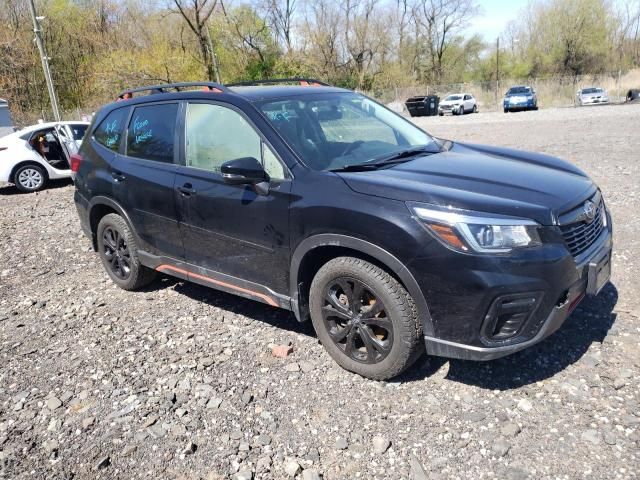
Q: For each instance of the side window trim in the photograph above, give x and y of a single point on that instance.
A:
(263, 140)
(125, 136)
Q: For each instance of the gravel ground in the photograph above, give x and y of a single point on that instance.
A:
(179, 381)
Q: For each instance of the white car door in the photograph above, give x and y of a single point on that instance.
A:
(468, 103)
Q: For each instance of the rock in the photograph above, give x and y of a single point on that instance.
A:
(190, 448)
(157, 431)
(50, 446)
(292, 468)
(281, 351)
(341, 443)
(178, 430)
(501, 447)
(87, 422)
(128, 450)
(243, 475)
(619, 382)
(180, 412)
(292, 367)
(264, 440)
(103, 463)
(510, 429)
(310, 474)
(591, 436)
(53, 403)
(306, 366)
(380, 445)
(150, 420)
(474, 416)
(244, 447)
(417, 470)
(525, 405)
(214, 403)
(247, 397)
(610, 438)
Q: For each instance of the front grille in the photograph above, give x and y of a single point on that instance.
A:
(579, 236)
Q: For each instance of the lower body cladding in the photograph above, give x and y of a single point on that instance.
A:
(492, 307)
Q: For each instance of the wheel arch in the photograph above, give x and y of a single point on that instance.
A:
(315, 251)
(99, 207)
(23, 163)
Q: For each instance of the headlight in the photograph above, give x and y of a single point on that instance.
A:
(468, 231)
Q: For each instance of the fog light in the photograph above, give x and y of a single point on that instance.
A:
(508, 314)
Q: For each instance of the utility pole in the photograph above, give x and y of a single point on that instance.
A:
(45, 61)
(497, 67)
(214, 57)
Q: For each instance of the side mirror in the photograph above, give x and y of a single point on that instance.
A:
(246, 171)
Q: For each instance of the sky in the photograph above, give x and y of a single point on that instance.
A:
(495, 16)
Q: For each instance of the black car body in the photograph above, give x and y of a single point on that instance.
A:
(416, 217)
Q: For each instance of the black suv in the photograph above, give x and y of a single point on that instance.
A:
(321, 201)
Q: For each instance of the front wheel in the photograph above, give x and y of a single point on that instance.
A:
(475, 109)
(30, 178)
(364, 318)
(119, 254)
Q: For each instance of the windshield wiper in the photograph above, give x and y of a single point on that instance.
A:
(391, 159)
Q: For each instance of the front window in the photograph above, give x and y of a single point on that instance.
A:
(453, 98)
(519, 91)
(333, 130)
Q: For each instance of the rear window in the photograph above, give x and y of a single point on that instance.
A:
(78, 131)
(152, 131)
(519, 90)
(109, 132)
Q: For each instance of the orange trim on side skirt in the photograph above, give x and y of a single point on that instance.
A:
(262, 296)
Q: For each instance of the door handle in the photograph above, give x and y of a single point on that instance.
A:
(118, 176)
(187, 190)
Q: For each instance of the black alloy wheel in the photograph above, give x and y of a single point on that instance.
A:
(356, 320)
(116, 253)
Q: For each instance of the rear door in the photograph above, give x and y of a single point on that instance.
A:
(230, 229)
(144, 175)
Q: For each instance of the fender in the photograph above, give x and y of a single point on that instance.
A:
(370, 249)
(102, 200)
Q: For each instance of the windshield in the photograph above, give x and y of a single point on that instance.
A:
(518, 90)
(453, 97)
(333, 130)
(78, 131)
(591, 90)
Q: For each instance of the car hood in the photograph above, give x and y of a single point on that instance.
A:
(482, 178)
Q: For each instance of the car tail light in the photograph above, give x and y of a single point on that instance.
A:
(76, 160)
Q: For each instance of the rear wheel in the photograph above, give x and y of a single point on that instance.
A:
(30, 178)
(364, 318)
(119, 254)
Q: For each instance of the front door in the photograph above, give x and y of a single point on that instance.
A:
(144, 176)
(230, 229)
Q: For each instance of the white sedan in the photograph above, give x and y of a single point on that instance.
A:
(592, 96)
(32, 156)
(458, 104)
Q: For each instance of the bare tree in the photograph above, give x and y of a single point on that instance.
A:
(197, 13)
(443, 21)
(281, 14)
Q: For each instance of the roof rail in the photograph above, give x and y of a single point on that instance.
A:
(211, 86)
(311, 82)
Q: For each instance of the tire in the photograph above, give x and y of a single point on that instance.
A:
(30, 178)
(119, 254)
(475, 109)
(379, 347)
(441, 114)
(506, 110)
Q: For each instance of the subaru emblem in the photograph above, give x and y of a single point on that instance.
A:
(589, 211)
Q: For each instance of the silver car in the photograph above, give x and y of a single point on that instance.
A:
(591, 95)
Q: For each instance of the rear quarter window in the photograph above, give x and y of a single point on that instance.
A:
(109, 132)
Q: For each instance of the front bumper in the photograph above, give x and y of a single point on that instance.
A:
(461, 303)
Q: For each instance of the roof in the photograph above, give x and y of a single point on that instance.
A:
(39, 126)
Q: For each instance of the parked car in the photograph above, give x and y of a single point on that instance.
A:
(31, 157)
(458, 104)
(591, 96)
(321, 201)
(6, 124)
(522, 97)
